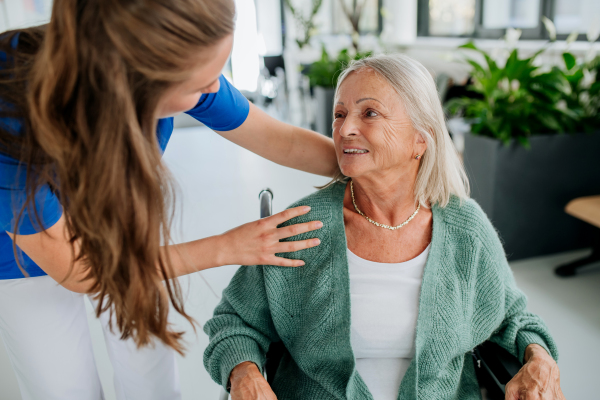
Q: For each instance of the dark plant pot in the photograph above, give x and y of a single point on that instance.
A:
(324, 112)
(524, 192)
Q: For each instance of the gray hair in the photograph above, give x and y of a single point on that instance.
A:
(441, 172)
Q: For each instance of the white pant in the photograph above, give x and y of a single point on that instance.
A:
(45, 330)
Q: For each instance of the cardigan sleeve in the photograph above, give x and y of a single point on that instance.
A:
(500, 302)
(519, 327)
(241, 328)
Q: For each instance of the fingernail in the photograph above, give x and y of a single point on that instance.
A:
(306, 209)
(301, 264)
(319, 224)
(316, 242)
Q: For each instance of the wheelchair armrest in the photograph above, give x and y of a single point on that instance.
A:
(495, 367)
(274, 356)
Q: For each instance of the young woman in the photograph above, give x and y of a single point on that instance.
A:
(86, 106)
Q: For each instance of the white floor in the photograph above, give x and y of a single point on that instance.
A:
(218, 190)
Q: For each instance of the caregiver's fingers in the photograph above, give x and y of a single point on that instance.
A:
(288, 214)
(290, 247)
(297, 229)
(286, 262)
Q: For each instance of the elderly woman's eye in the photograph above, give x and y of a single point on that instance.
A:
(338, 115)
(371, 113)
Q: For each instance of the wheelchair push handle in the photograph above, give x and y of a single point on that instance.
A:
(266, 202)
(265, 198)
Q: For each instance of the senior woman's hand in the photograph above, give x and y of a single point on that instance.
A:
(247, 383)
(538, 379)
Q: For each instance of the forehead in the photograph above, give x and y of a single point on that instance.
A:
(209, 62)
(366, 83)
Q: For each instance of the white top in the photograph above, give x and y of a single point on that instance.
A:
(384, 309)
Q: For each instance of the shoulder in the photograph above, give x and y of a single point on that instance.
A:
(466, 220)
(325, 206)
(225, 110)
(164, 130)
(9, 41)
(322, 204)
(463, 213)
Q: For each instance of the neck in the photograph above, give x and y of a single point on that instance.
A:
(386, 198)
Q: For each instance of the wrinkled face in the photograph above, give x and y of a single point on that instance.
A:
(371, 130)
(204, 79)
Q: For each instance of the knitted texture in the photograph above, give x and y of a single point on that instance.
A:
(468, 296)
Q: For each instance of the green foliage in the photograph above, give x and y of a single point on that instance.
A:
(581, 93)
(326, 71)
(518, 100)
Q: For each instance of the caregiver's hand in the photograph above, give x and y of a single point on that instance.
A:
(538, 379)
(257, 242)
(247, 383)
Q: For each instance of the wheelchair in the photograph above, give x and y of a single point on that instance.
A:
(494, 365)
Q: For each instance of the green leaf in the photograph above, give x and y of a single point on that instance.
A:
(569, 60)
(477, 67)
(469, 45)
(575, 78)
(325, 71)
(595, 88)
(524, 140)
(324, 55)
(549, 121)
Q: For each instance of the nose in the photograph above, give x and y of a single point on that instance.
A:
(214, 88)
(349, 127)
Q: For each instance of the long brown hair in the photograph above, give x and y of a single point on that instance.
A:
(86, 89)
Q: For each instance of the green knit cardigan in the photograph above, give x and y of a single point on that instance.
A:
(468, 296)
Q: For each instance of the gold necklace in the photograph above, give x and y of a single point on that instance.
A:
(392, 228)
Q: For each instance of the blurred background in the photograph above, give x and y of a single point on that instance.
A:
(520, 83)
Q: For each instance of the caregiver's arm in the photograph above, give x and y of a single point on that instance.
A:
(285, 144)
(252, 243)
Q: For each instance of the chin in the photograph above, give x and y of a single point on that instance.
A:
(351, 171)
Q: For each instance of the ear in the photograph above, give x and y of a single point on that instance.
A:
(420, 144)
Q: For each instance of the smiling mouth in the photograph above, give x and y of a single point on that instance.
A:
(355, 151)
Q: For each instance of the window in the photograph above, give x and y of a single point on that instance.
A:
(581, 15)
(491, 18)
(451, 17)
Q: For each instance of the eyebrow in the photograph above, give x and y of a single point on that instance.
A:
(368, 98)
(363, 99)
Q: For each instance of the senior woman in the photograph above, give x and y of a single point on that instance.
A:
(409, 277)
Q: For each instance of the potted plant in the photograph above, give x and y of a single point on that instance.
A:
(534, 146)
(323, 75)
(353, 14)
(304, 24)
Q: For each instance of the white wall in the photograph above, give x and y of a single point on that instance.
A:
(268, 15)
(24, 13)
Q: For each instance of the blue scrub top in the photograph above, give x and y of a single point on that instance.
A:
(222, 111)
